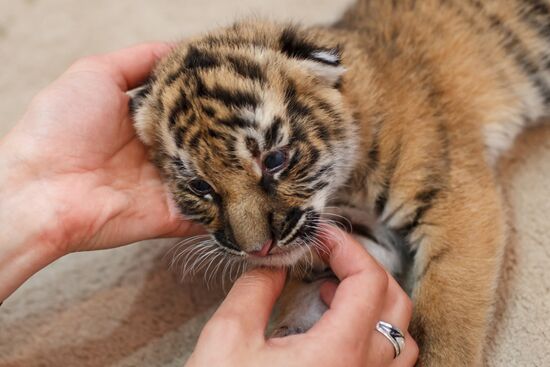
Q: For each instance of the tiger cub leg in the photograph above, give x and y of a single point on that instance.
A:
(299, 307)
(455, 273)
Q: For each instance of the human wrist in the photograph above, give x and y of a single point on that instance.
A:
(27, 232)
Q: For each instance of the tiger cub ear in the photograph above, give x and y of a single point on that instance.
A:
(141, 113)
(324, 62)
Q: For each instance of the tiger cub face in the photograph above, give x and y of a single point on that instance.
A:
(252, 135)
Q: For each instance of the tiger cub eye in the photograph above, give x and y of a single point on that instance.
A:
(200, 187)
(274, 161)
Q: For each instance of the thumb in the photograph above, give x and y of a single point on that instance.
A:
(328, 289)
(252, 298)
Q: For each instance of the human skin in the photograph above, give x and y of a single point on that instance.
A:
(75, 177)
(345, 335)
(73, 174)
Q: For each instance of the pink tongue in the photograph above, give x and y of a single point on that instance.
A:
(265, 249)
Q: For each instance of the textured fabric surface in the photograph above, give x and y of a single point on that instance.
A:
(124, 307)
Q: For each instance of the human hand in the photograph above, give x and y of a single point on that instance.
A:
(345, 335)
(75, 159)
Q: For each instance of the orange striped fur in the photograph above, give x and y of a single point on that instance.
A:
(397, 113)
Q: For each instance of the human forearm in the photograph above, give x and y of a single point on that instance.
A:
(27, 221)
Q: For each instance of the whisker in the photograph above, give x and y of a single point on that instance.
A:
(200, 261)
(193, 259)
(207, 276)
(343, 223)
(192, 247)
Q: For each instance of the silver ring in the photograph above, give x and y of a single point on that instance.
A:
(393, 334)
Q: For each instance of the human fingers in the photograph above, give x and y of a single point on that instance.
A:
(361, 294)
(398, 307)
(346, 256)
(128, 67)
(409, 355)
(397, 311)
(249, 304)
(328, 289)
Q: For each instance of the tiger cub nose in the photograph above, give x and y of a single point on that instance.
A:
(266, 248)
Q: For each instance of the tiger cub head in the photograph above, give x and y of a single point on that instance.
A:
(252, 135)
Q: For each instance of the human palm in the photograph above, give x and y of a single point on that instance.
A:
(78, 137)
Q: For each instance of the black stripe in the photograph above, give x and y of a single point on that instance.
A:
(297, 135)
(312, 157)
(272, 135)
(374, 156)
(206, 220)
(226, 238)
(427, 195)
(364, 231)
(192, 118)
(292, 217)
(296, 47)
(320, 185)
(426, 198)
(187, 210)
(327, 108)
(181, 108)
(236, 122)
(195, 59)
(298, 109)
(324, 171)
(295, 107)
(178, 166)
(296, 157)
(382, 198)
(405, 230)
(173, 76)
(515, 47)
(209, 111)
(194, 140)
(233, 161)
(322, 132)
(538, 16)
(252, 146)
(309, 228)
(200, 59)
(247, 68)
(231, 144)
(215, 134)
(434, 258)
(230, 98)
(140, 96)
(301, 194)
(179, 136)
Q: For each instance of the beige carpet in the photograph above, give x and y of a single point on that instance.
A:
(123, 307)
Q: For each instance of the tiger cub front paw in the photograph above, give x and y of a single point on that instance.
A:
(299, 308)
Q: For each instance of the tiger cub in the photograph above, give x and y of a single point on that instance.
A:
(395, 116)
